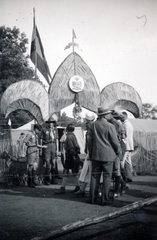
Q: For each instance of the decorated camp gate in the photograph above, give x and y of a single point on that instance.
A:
(73, 82)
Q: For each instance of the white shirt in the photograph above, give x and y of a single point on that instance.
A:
(129, 141)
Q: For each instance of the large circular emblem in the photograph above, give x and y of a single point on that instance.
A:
(76, 83)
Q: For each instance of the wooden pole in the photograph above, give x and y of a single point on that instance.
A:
(35, 45)
(94, 220)
(72, 42)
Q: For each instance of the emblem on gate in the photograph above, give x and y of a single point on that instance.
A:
(76, 83)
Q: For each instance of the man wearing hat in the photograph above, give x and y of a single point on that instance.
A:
(120, 184)
(103, 147)
(49, 138)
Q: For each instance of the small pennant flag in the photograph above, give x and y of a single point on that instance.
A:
(71, 44)
(74, 35)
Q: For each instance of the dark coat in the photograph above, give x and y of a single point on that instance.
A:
(103, 143)
(72, 150)
(71, 145)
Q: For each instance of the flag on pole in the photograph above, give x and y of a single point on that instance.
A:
(37, 54)
(71, 44)
(74, 35)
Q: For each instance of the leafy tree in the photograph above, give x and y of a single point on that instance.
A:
(23, 118)
(148, 111)
(14, 64)
(65, 120)
(13, 61)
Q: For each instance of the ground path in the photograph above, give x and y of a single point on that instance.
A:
(27, 213)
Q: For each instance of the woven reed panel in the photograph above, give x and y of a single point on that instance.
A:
(26, 104)
(123, 96)
(16, 95)
(60, 94)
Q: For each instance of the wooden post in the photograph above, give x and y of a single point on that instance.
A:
(94, 220)
(35, 45)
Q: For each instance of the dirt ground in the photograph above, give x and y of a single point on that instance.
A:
(28, 213)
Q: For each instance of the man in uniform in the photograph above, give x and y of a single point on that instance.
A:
(32, 143)
(49, 138)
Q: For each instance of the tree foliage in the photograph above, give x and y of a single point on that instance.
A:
(148, 111)
(14, 65)
(65, 120)
(13, 61)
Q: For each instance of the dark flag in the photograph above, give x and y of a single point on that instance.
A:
(37, 55)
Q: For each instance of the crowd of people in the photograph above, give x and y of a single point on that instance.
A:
(108, 147)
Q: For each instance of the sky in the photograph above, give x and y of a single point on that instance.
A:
(117, 38)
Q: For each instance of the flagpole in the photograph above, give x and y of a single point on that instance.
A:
(73, 36)
(35, 45)
(76, 94)
(73, 41)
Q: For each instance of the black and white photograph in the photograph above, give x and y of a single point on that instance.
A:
(78, 119)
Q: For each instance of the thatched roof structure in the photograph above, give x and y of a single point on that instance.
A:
(121, 96)
(26, 95)
(31, 95)
(61, 95)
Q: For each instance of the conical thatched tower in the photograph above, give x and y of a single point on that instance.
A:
(64, 90)
(60, 93)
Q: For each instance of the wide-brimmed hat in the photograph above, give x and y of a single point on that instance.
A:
(52, 119)
(103, 111)
(90, 116)
(36, 126)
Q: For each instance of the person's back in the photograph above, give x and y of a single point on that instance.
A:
(71, 143)
(103, 147)
(103, 142)
(72, 149)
